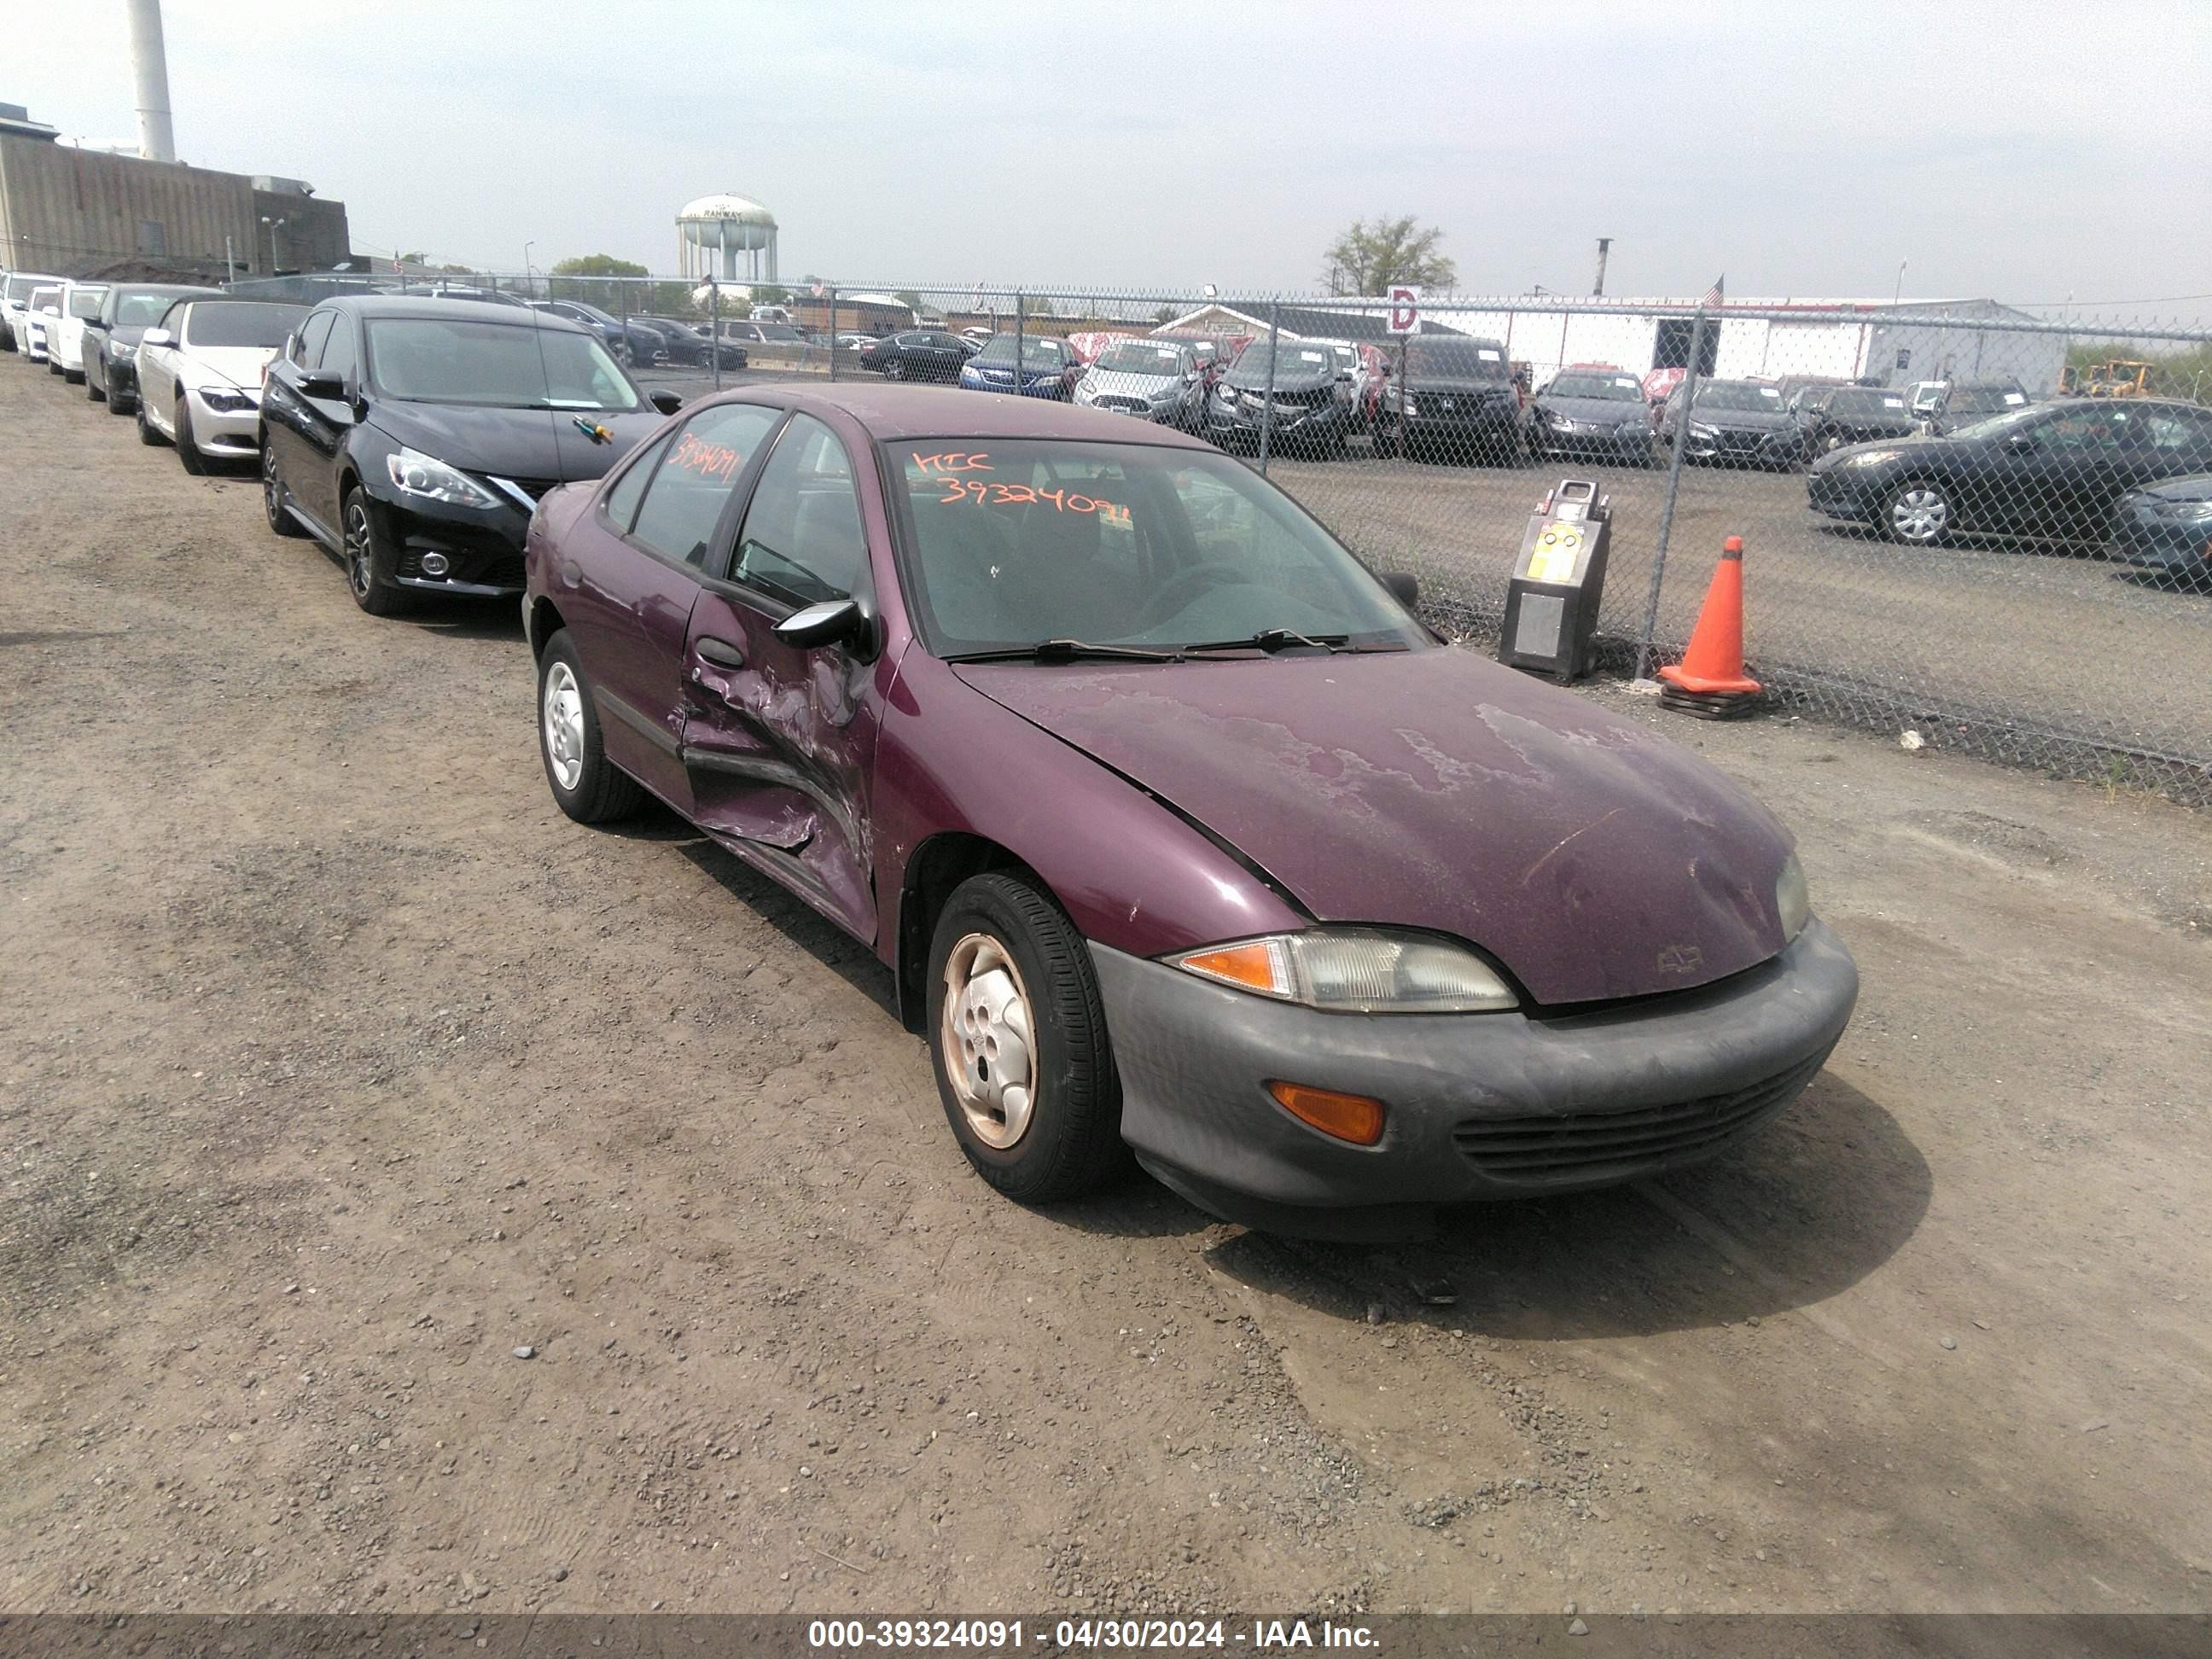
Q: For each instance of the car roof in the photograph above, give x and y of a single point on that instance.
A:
(893, 412)
(479, 311)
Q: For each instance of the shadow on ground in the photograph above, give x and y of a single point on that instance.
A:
(1801, 1210)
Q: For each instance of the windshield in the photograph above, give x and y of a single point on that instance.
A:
(778, 331)
(20, 288)
(496, 365)
(1982, 399)
(1739, 394)
(1293, 362)
(1029, 540)
(1997, 426)
(1135, 357)
(85, 301)
(246, 323)
(1463, 359)
(141, 310)
(1867, 402)
(1036, 354)
(1611, 388)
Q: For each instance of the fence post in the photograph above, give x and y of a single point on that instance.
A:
(1674, 488)
(714, 328)
(833, 330)
(1267, 409)
(1018, 343)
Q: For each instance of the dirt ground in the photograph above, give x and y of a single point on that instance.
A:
(340, 1071)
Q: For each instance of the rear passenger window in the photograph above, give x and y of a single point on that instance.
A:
(802, 541)
(692, 480)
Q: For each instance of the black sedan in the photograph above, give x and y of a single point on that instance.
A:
(2043, 470)
(413, 438)
(1836, 416)
(1456, 399)
(1968, 401)
(110, 339)
(2166, 529)
(1592, 412)
(1734, 422)
(918, 353)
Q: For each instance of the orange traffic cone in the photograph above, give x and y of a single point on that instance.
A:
(1709, 681)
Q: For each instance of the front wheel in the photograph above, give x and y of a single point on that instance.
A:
(1018, 1040)
(587, 785)
(1917, 513)
(368, 566)
(188, 449)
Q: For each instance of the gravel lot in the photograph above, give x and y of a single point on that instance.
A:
(415, 1201)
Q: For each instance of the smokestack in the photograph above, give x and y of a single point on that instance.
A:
(1604, 247)
(157, 141)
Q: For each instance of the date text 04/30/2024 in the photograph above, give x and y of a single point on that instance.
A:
(1082, 1635)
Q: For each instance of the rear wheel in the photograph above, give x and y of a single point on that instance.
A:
(1018, 1039)
(95, 383)
(148, 433)
(588, 786)
(274, 496)
(188, 449)
(368, 565)
(894, 370)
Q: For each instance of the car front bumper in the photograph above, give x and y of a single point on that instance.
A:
(481, 547)
(1477, 1106)
(1301, 423)
(2154, 543)
(1590, 441)
(1746, 449)
(1840, 495)
(232, 435)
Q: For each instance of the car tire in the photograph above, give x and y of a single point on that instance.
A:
(1010, 982)
(96, 385)
(894, 370)
(188, 448)
(149, 435)
(74, 377)
(275, 495)
(586, 786)
(368, 564)
(1918, 513)
(1389, 442)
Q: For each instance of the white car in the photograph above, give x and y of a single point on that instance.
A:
(40, 312)
(65, 333)
(15, 301)
(200, 373)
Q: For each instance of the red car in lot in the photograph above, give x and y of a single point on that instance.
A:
(1177, 829)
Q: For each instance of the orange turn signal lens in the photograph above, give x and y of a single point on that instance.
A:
(1259, 964)
(1354, 1118)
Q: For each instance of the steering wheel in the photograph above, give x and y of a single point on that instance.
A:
(1185, 585)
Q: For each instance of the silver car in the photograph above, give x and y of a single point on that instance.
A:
(200, 373)
(1161, 380)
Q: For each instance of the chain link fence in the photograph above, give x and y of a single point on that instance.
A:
(2036, 588)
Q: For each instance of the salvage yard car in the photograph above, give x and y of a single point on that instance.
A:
(1592, 414)
(110, 339)
(80, 303)
(1159, 381)
(1737, 423)
(199, 376)
(1177, 830)
(2166, 529)
(15, 304)
(413, 438)
(1311, 394)
(1457, 400)
(1832, 417)
(2043, 470)
(1049, 367)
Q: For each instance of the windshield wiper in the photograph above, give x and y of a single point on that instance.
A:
(1272, 640)
(1062, 650)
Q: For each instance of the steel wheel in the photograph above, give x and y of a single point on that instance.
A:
(1919, 515)
(988, 1039)
(893, 370)
(563, 714)
(360, 567)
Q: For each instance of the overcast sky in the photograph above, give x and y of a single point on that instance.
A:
(2025, 151)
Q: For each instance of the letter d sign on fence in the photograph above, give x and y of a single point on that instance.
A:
(1405, 309)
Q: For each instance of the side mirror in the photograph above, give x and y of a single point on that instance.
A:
(663, 400)
(157, 336)
(1405, 587)
(319, 385)
(830, 623)
(2019, 442)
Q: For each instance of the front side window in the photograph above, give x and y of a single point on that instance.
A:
(692, 483)
(803, 541)
(2179, 429)
(621, 503)
(85, 301)
(339, 357)
(307, 343)
(436, 360)
(1019, 541)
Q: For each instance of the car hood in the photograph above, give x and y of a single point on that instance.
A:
(1435, 789)
(2195, 488)
(1456, 386)
(1836, 458)
(238, 366)
(1744, 420)
(1256, 381)
(1122, 384)
(512, 443)
(1611, 410)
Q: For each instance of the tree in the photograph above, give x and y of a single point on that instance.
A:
(608, 296)
(1372, 258)
(1165, 314)
(909, 299)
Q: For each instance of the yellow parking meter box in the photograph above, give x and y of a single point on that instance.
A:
(1551, 604)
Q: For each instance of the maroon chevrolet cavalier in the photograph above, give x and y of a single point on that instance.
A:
(1179, 832)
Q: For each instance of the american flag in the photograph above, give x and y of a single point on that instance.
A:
(1712, 299)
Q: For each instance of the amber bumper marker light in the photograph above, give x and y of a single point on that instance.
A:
(1354, 1118)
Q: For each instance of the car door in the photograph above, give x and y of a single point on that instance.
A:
(2078, 467)
(778, 739)
(328, 421)
(628, 602)
(157, 368)
(285, 417)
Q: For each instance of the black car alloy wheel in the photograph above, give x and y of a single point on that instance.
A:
(372, 590)
(274, 496)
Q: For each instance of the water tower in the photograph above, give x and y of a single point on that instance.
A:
(726, 238)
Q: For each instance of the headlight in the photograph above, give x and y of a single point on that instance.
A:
(2191, 512)
(1792, 901)
(1699, 430)
(1412, 410)
(1871, 457)
(1633, 429)
(415, 474)
(1084, 391)
(123, 350)
(1355, 970)
(1226, 394)
(224, 401)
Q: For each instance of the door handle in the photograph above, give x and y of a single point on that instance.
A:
(720, 652)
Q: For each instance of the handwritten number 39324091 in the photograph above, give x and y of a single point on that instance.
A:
(943, 469)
